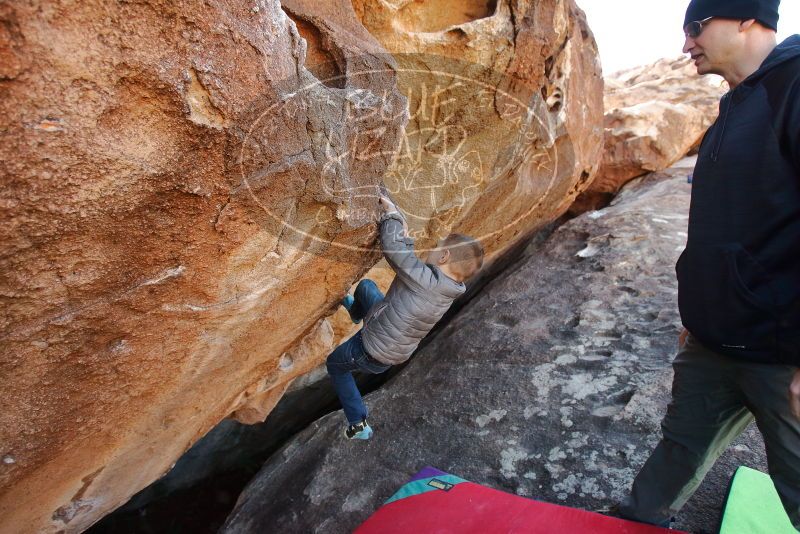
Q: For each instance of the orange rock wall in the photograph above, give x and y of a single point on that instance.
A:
(178, 207)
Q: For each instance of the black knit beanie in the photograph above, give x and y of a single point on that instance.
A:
(764, 11)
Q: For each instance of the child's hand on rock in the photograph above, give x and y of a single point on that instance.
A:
(389, 207)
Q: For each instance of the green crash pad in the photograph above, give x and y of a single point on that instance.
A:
(753, 506)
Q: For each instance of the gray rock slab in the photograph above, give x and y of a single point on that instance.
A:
(550, 384)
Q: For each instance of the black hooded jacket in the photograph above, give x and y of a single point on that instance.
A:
(739, 277)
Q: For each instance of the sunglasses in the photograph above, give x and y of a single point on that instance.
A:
(695, 28)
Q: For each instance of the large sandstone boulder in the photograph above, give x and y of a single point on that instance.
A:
(654, 115)
(550, 384)
(189, 189)
(148, 287)
(668, 80)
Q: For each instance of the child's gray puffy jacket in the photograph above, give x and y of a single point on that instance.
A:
(419, 296)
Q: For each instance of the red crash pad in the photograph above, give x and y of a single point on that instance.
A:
(434, 501)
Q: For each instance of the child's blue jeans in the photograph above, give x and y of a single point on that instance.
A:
(351, 356)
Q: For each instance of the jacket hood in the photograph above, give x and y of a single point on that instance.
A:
(788, 49)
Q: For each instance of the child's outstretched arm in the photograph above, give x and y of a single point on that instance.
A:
(398, 249)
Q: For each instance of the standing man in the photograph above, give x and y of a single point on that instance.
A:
(739, 277)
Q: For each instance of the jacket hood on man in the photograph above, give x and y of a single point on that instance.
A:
(739, 277)
(785, 51)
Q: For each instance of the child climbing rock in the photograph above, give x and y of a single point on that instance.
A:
(394, 325)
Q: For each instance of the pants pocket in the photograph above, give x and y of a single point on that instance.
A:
(368, 365)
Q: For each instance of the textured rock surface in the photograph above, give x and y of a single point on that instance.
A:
(201, 490)
(183, 204)
(528, 142)
(512, 137)
(146, 292)
(550, 384)
(668, 80)
(655, 114)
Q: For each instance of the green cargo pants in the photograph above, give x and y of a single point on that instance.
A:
(714, 398)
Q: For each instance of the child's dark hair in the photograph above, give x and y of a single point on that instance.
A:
(466, 254)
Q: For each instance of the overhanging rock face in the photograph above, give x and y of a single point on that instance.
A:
(524, 110)
(500, 138)
(185, 202)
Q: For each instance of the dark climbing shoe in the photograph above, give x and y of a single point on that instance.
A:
(360, 430)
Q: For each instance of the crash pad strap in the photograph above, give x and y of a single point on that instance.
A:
(423, 485)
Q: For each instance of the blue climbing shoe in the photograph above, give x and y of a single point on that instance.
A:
(348, 302)
(360, 430)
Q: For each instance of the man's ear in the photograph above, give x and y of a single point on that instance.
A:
(445, 257)
(746, 24)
